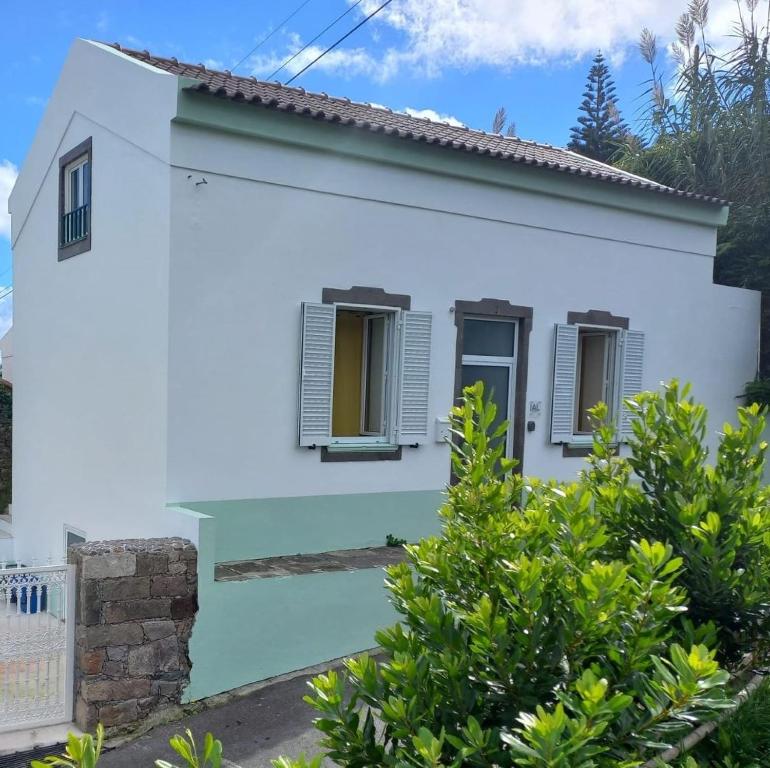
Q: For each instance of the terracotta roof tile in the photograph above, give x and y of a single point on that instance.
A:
(320, 106)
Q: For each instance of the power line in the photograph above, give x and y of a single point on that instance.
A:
(271, 33)
(334, 45)
(6, 292)
(307, 45)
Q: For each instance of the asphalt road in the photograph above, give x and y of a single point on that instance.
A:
(271, 722)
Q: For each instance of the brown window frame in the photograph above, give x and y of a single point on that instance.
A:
(601, 319)
(366, 296)
(84, 149)
(500, 308)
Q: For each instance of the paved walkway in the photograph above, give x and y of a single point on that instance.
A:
(271, 722)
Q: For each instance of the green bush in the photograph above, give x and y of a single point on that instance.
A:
(84, 752)
(528, 635)
(715, 517)
(757, 391)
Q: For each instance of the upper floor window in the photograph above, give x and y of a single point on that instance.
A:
(75, 201)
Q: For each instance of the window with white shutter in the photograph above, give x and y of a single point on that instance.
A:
(593, 364)
(631, 380)
(365, 377)
(414, 381)
(316, 374)
(564, 379)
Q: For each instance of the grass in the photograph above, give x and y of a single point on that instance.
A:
(743, 740)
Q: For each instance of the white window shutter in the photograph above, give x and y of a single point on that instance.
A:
(316, 374)
(414, 381)
(564, 375)
(631, 381)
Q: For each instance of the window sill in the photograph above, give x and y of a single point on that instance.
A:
(75, 247)
(580, 449)
(363, 452)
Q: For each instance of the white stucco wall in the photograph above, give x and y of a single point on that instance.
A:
(90, 332)
(274, 225)
(161, 366)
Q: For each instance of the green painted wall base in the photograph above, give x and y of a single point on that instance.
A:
(248, 631)
(251, 630)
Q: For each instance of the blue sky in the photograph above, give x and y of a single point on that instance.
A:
(460, 58)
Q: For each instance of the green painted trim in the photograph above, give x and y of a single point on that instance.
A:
(253, 528)
(206, 111)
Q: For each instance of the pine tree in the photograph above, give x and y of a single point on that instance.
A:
(601, 128)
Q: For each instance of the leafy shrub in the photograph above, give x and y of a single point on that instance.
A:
(757, 391)
(80, 752)
(83, 752)
(716, 518)
(527, 635)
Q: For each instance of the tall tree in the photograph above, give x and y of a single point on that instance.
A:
(601, 129)
(499, 121)
(707, 130)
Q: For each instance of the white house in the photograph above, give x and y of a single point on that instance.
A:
(186, 242)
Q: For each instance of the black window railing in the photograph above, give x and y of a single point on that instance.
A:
(75, 224)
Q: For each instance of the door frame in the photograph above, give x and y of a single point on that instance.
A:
(500, 309)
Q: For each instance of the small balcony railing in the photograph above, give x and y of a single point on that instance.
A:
(75, 225)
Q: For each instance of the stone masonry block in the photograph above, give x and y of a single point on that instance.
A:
(158, 656)
(117, 653)
(114, 690)
(89, 605)
(109, 566)
(171, 586)
(114, 669)
(126, 588)
(155, 630)
(86, 716)
(132, 610)
(90, 662)
(149, 564)
(119, 714)
(115, 634)
(184, 607)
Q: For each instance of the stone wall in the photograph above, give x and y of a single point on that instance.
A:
(136, 604)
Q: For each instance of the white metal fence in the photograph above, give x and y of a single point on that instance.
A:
(36, 646)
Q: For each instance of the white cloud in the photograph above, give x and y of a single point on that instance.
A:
(341, 61)
(8, 174)
(502, 33)
(431, 114)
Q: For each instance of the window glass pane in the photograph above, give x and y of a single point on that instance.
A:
(348, 364)
(73, 538)
(489, 337)
(86, 183)
(497, 385)
(592, 383)
(74, 188)
(374, 385)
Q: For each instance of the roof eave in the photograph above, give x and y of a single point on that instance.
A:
(195, 106)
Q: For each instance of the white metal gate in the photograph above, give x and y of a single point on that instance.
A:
(36, 646)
